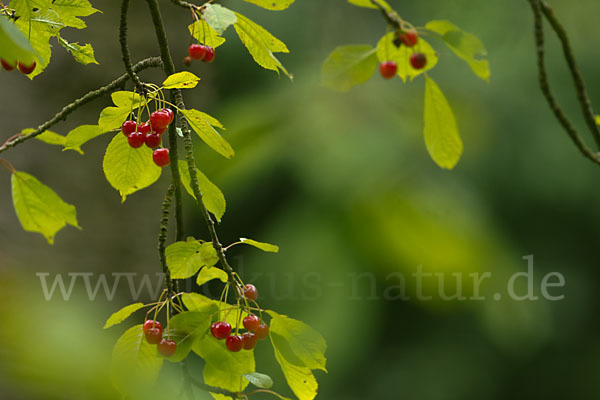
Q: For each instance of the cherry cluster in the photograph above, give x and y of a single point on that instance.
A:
(199, 52)
(255, 328)
(153, 331)
(418, 60)
(150, 133)
(24, 68)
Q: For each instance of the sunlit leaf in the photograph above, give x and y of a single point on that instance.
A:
(186, 258)
(205, 34)
(14, 45)
(203, 124)
(261, 44)
(127, 169)
(82, 54)
(466, 45)
(371, 4)
(275, 5)
(349, 66)
(441, 132)
(212, 197)
(39, 208)
(181, 80)
(111, 118)
(188, 327)
(122, 314)
(219, 17)
(81, 135)
(69, 10)
(47, 137)
(207, 274)
(260, 245)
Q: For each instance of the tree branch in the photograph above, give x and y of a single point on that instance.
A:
(125, 48)
(545, 86)
(187, 139)
(117, 83)
(162, 236)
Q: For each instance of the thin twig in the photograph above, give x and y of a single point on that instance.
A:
(117, 83)
(125, 48)
(582, 96)
(545, 86)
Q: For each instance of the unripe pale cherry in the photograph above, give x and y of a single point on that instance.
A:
(388, 69)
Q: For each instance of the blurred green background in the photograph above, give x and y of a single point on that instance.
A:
(343, 183)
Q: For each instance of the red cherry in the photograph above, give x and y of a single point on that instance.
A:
(161, 157)
(250, 292)
(6, 65)
(187, 61)
(197, 51)
(26, 69)
(160, 131)
(409, 38)
(210, 54)
(153, 335)
(159, 119)
(149, 324)
(388, 69)
(128, 127)
(136, 139)
(144, 128)
(234, 343)
(220, 330)
(152, 140)
(251, 322)
(418, 60)
(262, 332)
(249, 340)
(170, 113)
(167, 347)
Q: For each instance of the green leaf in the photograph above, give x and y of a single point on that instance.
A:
(111, 118)
(219, 17)
(297, 342)
(186, 258)
(181, 80)
(275, 5)
(260, 245)
(261, 44)
(14, 46)
(212, 197)
(465, 45)
(203, 124)
(81, 135)
(207, 274)
(130, 100)
(187, 327)
(69, 10)
(349, 66)
(39, 208)
(371, 4)
(127, 169)
(224, 369)
(82, 54)
(441, 132)
(135, 363)
(259, 380)
(205, 34)
(122, 314)
(597, 119)
(47, 137)
(386, 51)
(298, 349)
(196, 301)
